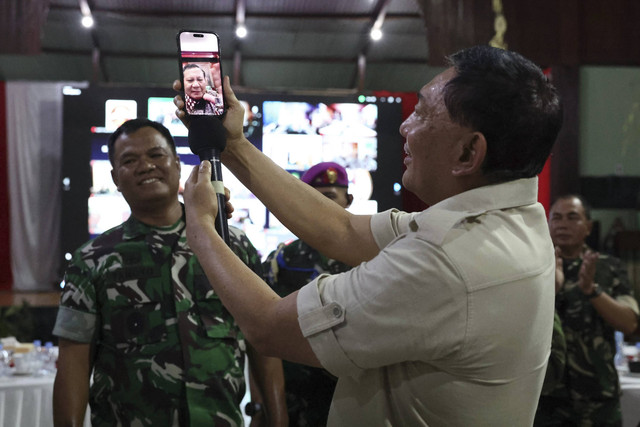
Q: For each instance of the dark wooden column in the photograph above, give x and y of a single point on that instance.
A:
(21, 23)
(565, 156)
(455, 25)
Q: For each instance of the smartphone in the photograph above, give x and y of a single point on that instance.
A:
(201, 72)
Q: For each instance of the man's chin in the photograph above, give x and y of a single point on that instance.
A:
(149, 197)
(560, 241)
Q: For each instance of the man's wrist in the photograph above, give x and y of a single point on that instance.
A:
(596, 291)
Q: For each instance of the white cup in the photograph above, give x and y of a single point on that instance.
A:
(26, 363)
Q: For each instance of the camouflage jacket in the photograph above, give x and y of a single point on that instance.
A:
(166, 350)
(590, 372)
(295, 264)
(308, 390)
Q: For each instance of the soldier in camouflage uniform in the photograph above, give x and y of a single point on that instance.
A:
(593, 300)
(138, 310)
(309, 390)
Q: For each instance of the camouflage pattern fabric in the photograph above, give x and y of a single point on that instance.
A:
(589, 392)
(557, 358)
(167, 351)
(562, 411)
(309, 390)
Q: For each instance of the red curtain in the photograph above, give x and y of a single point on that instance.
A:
(5, 253)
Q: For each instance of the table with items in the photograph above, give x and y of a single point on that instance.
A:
(27, 373)
(630, 399)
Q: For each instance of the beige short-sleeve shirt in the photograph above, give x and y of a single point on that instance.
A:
(450, 324)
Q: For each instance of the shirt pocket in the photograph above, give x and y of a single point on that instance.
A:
(138, 324)
(217, 321)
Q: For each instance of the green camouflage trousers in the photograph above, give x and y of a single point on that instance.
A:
(565, 412)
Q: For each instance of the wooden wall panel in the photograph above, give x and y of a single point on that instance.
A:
(455, 25)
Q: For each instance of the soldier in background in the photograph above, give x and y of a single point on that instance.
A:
(593, 300)
(309, 390)
(139, 312)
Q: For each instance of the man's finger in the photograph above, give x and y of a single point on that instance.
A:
(228, 92)
(204, 171)
(193, 176)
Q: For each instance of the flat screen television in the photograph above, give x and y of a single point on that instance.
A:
(295, 130)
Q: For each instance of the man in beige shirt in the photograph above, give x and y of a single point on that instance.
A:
(447, 317)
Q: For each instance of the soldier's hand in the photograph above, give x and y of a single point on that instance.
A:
(588, 272)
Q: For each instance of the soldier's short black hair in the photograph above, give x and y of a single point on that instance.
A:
(130, 126)
(585, 205)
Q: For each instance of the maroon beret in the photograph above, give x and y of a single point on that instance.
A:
(326, 174)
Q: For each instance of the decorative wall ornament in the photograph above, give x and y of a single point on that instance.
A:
(499, 25)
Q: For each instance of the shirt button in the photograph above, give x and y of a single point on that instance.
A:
(337, 312)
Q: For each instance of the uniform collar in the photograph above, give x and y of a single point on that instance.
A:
(438, 219)
(133, 228)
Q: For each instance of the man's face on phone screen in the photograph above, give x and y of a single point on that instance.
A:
(194, 83)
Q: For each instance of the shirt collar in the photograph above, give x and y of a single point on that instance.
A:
(438, 219)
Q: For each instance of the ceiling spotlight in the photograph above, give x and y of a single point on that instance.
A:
(87, 21)
(376, 34)
(241, 31)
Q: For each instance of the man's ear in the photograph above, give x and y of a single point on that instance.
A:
(472, 150)
(349, 199)
(114, 178)
(589, 224)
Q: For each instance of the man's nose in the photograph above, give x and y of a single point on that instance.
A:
(146, 165)
(403, 128)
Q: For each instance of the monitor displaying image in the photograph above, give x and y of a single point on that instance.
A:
(296, 135)
(162, 110)
(295, 131)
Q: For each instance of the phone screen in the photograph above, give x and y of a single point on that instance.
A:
(201, 73)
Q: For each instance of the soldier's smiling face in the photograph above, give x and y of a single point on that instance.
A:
(145, 168)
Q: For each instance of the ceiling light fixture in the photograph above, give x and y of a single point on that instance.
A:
(87, 21)
(376, 34)
(87, 17)
(241, 31)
